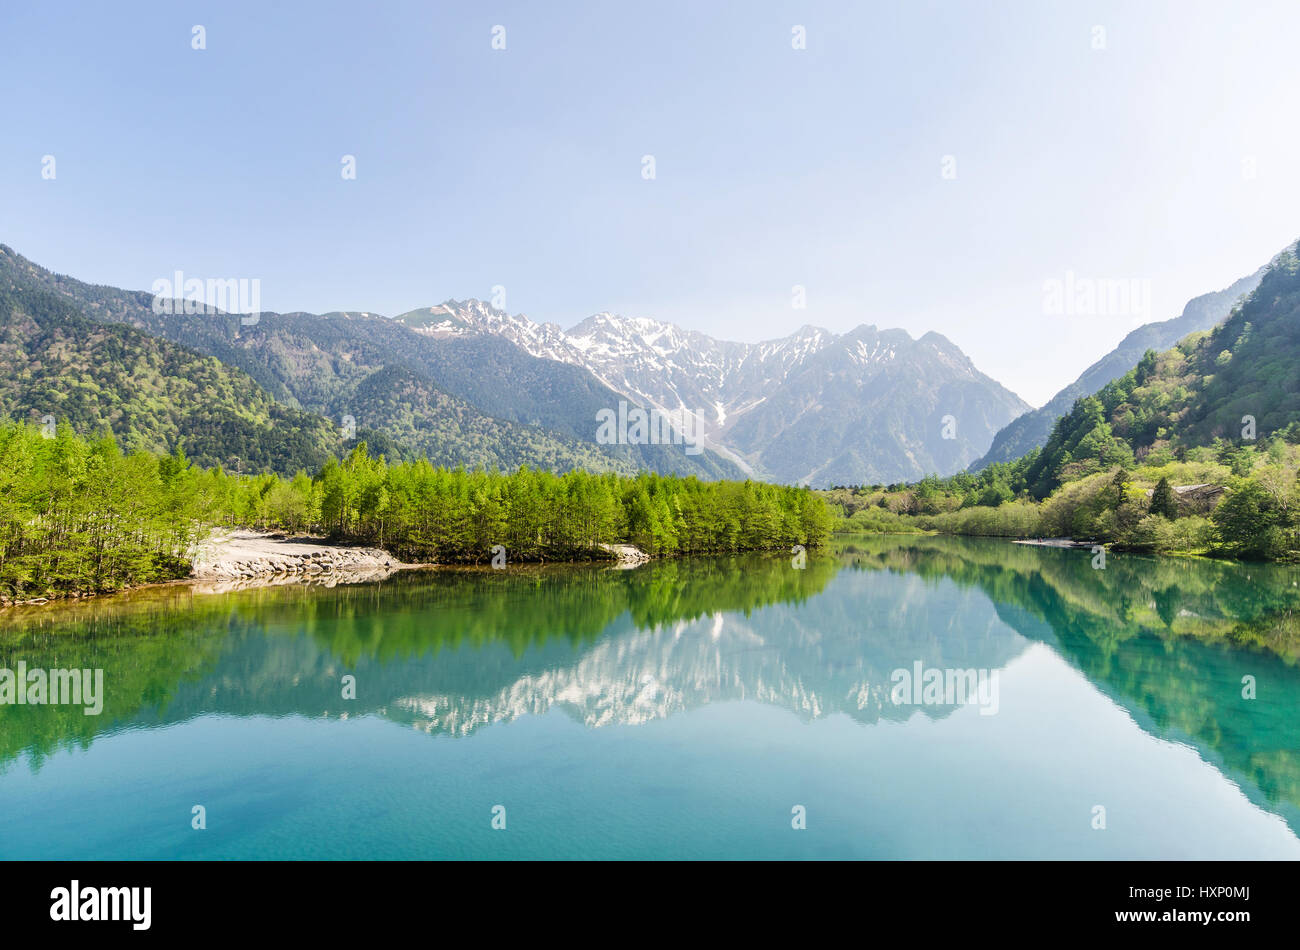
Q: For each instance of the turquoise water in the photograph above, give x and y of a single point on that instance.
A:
(677, 710)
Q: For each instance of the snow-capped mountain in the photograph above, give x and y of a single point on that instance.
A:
(863, 406)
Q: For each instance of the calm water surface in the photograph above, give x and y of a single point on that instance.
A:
(680, 709)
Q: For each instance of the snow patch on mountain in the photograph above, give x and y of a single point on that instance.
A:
(807, 382)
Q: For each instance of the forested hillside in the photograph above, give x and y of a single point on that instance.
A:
(1210, 386)
(435, 426)
(150, 393)
(1031, 430)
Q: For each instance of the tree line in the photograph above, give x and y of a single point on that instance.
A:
(80, 515)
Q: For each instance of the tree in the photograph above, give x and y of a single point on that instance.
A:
(1247, 522)
(1119, 486)
(1163, 500)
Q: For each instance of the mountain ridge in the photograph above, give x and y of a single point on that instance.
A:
(538, 412)
(1032, 429)
(482, 386)
(58, 365)
(733, 391)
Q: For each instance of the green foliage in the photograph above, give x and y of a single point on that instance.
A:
(1033, 429)
(1163, 501)
(1239, 382)
(79, 515)
(1257, 517)
(150, 394)
(425, 513)
(1017, 519)
(1254, 523)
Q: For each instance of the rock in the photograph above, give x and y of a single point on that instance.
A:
(249, 554)
(627, 555)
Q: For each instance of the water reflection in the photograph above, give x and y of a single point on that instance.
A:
(448, 652)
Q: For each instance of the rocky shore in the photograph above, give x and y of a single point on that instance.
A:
(627, 555)
(239, 555)
(237, 560)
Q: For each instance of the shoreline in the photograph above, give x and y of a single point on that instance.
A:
(1056, 542)
(244, 554)
(1111, 546)
(244, 559)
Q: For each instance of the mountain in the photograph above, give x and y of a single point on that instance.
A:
(865, 406)
(1031, 430)
(874, 407)
(465, 383)
(458, 402)
(1240, 380)
(56, 364)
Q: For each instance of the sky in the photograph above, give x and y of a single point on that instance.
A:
(932, 166)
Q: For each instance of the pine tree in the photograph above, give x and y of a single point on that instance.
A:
(1163, 501)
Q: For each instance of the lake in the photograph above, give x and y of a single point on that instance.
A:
(738, 707)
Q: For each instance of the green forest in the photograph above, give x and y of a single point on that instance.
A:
(80, 515)
(55, 362)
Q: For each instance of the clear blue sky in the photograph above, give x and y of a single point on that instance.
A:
(522, 167)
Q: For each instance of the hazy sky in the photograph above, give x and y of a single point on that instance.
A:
(1169, 157)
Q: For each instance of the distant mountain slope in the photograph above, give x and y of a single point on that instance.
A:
(651, 363)
(864, 406)
(876, 407)
(1197, 392)
(1032, 429)
(151, 394)
(451, 432)
(482, 402)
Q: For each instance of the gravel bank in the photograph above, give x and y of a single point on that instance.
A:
(238, 555)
